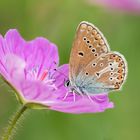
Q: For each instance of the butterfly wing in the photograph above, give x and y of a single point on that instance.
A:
(106, 73)
(93, 68)
(89, 43)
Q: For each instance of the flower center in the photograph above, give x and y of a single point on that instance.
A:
(43, 77)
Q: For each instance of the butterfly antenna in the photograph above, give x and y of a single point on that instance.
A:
(54, 63)
(61, 73)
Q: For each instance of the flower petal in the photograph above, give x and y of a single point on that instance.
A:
(38, 52)
(14, 43)
(83, 105)
(3, 70)
(18, 58)
(36, 91)
(29, 91)
(42, 53)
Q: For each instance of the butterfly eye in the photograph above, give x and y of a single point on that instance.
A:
(67, 83)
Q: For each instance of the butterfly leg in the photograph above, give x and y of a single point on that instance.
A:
(89, 97)
(74, 96)
(67, 93)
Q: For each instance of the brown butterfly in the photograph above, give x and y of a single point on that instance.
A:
(94, 69)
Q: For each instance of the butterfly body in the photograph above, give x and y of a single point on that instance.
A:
(94, 69)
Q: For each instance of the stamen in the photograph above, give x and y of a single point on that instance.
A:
(70, 92)
(44, 75)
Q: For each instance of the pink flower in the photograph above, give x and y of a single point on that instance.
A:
(31, 68)
(126, 5)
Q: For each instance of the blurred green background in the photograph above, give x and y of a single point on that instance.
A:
(57, 20)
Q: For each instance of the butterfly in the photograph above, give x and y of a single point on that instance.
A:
(93, 68)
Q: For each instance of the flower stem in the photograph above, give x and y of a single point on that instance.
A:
(10, 129)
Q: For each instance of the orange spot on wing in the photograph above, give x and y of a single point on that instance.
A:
(117, 86)
(120, 77)
(120, 64)
(118, 59)
(120, 70)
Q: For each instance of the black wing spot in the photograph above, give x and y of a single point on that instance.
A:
(111, 69)
(95, 54)
(110, 78)
(86, 73)
(93, 50)
(111, 73)
(90, 46)
(98, 74)
(94, 64)
(101, 64)
(81, 54)
(84, 38)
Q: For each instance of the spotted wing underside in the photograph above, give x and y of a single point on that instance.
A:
(106, 73)
(93, 68)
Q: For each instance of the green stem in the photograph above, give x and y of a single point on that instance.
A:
(9, 131)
